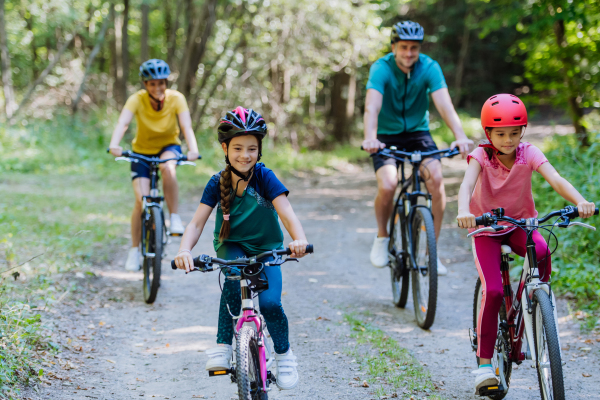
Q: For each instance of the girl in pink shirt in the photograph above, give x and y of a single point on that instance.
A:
(499, 175)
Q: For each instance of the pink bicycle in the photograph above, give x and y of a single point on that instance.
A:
(250, 366)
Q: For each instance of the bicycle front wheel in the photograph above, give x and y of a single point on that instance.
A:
(545, 337)
(153, 259)
(248, 366)
(424, 274)
(398, 272)
(501, 358)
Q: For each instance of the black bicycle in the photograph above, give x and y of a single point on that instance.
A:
(253, 354)
(412, 237)
(154, 231)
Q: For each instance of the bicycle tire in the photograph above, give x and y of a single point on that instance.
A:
(545, 334)
(399, 275)
(503, 341)
(154, 244)
(248, 366)
(424, 287)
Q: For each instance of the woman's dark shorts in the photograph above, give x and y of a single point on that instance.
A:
(141, 170)
(411, 141)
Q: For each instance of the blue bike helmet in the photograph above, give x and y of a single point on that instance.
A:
(407, 30)
(154, 69)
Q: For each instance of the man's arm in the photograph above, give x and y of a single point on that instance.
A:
(373, 104)
(443, 103)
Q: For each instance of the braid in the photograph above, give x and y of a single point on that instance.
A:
(225, 188)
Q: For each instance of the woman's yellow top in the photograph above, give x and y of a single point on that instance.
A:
(156, 129)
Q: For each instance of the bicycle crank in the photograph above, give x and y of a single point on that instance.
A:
(491, 390)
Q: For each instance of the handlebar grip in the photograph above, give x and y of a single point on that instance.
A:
(173, 266)
(575, 212)
(309, 249)
(479, 221)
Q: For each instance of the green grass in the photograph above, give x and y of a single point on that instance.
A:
(401, 372)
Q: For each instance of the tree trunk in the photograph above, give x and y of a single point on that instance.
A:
(575, 110)
(145, 50)
(29, 25)
(196, 46)
(462, 57)
(89, 63)
(117, 59)
(340, 104)
(10, 104)
(125, 50)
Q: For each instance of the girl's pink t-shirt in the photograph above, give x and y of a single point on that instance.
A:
(498, 186)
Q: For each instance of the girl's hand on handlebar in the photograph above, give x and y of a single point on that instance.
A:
(372, 145)
(298, 248)
(586, 209)
(466, 220)
(116, 151)
(184, 260)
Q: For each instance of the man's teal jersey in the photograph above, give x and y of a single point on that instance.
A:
(405, 105)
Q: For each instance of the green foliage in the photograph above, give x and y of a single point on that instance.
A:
(20, 338)
(575, 263)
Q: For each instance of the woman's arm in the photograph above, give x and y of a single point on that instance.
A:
(465, 218)
(192, 233)
(566, 190)
(122, 125)
(292, 225)
(185, 121)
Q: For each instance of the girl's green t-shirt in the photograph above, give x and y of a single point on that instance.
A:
(254, 221)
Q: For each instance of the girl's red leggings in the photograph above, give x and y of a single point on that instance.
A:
(486, 250)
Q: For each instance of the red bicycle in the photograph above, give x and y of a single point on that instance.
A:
(531, 310)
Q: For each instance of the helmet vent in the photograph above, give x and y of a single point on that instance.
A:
(493, 97)
(517, 118)
(495, 103)
(516, 102)
(497, 119)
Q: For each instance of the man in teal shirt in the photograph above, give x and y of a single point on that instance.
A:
(397, 114)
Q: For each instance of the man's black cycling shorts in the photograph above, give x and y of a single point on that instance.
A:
(410, 141)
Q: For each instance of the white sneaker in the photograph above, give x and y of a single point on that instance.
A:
(380, 252)
(133, 260)
(176, 225)
(484, 377)
(287, 374)
(442, 270)
(219, 358)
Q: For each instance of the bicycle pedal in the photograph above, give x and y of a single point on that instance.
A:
(491, 390)
(219, 372)
(175, 234)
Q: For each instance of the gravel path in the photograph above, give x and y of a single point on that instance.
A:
(125, 349)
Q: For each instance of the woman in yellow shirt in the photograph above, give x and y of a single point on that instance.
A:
(157, 111)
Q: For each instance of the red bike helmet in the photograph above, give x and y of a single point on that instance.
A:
(502, 110)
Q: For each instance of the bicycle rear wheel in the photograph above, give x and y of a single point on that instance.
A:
(153, 245)
(248, 366)
(424, 274)
(545, 338)
(501, 351)
(399, 275)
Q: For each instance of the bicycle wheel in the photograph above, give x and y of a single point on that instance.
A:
(547, 350)
(501, 351)
(248, 366)
(399, 276)
(424, 274)
(154, 245)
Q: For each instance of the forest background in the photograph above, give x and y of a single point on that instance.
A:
(68, 66)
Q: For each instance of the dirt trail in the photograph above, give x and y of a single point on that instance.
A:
(142, 351)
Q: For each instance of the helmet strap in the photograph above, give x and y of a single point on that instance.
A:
(160, 102)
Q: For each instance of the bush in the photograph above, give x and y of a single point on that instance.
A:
(575, 262)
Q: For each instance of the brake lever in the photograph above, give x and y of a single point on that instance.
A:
(280, 261)
(186, 163)
(493, 228)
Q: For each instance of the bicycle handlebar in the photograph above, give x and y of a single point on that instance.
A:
(392, 152)
(203, 260)
(131, 154)
(488, 219)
